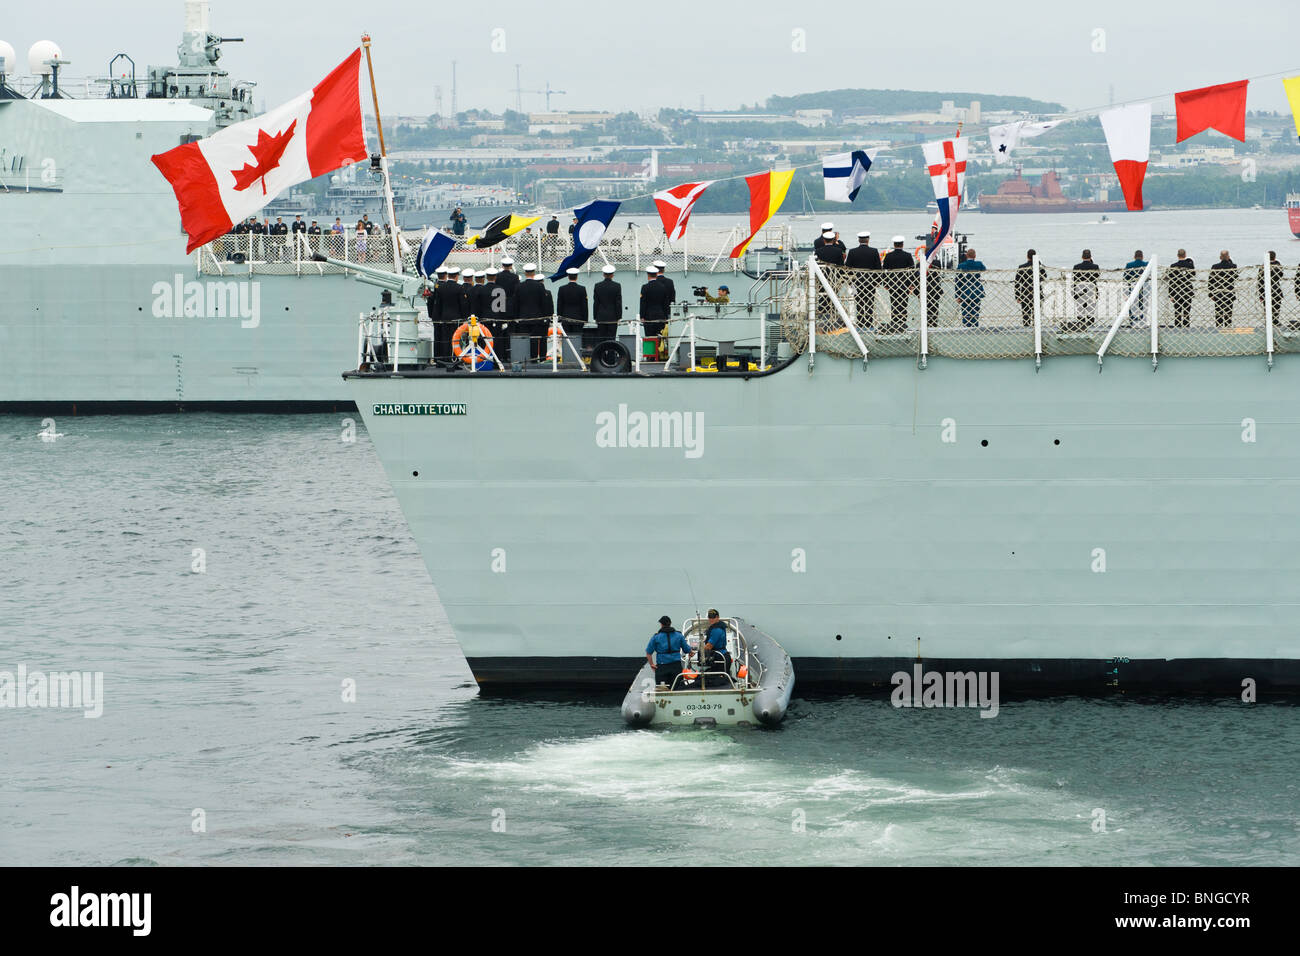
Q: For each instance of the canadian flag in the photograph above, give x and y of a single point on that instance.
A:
(232, 174)
(1128, 136)
(675, 207)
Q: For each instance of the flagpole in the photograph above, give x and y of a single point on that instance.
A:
(383, 158)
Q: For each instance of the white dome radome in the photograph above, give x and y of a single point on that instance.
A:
(41, 51)
(11, 60)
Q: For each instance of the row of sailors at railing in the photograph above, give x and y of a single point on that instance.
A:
(336, 239)
(969, 290)
(510, 305)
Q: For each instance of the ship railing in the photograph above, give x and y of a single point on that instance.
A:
(696, 338)
(627, 250)
(293, 254)
(631, 248)
(1151, 311)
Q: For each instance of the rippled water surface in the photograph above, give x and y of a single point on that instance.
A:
(224, 694)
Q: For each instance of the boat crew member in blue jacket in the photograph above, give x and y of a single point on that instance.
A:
(715, 644)
(667, 645)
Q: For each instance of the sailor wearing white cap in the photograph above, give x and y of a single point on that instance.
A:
(660, 266)
(831, 251)
(468, 274)
(534, 308)
(900, 284)
(828, 234)
(448, 307)
(863, 256)
(571, 303)
(607, 305)
(508, 279)
(479, 294)
(500, 302)
(654, 302)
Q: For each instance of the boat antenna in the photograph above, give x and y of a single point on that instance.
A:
(692, 587)
(700, 644)
(383, 159)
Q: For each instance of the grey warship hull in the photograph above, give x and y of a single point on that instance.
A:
(1067, 529)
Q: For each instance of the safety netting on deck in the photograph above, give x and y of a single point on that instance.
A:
(629, 249)
(1001, 313)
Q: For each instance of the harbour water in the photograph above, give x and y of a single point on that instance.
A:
(229, 575)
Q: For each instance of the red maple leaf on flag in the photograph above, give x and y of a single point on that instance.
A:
(267, 151)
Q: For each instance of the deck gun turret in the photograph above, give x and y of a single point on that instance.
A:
(395, 323)
(408, 286)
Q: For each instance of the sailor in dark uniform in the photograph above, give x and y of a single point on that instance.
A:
(532, 310)
(463, 287)
(654, 303)
(451, 312)
(899, 281)
(1024, 287)
(499, 317)
(831, 250)
(1084, 291)
(1222, 287)
(660, 266)
(864, 256)
(1275, 274)
(571, 304)
(1180, 280)
(508, 279)
(433, 305)
(821, 235)
(479, 295)
(607, 305)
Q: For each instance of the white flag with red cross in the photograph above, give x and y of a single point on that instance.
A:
(227, 177)
(945, 161)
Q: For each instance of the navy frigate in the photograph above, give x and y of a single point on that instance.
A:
(92, 258)
(1074, 480)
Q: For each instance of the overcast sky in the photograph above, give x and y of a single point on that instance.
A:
(618, 56)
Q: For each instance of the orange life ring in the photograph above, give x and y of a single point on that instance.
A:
(920, 252)
(474, 328)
